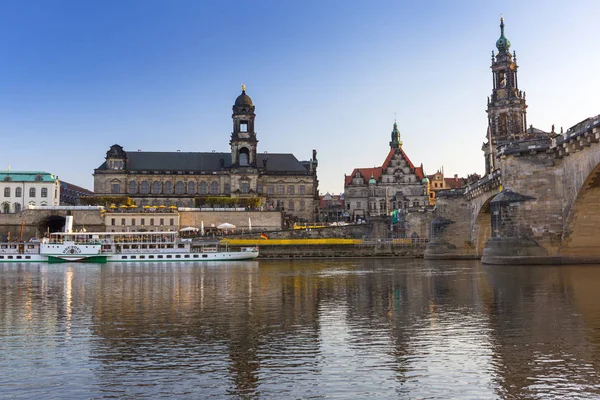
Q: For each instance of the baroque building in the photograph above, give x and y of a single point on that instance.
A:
(396, 185)
(21, 189)
(177, 178)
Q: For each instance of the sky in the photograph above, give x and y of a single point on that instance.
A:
(79, 76)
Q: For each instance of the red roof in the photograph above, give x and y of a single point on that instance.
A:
(453, 183)
(366, 174)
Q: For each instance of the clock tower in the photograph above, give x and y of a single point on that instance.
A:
(506, 108)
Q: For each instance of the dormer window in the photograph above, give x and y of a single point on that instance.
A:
(243, 126)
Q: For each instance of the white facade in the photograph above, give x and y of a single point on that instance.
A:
(19, 190)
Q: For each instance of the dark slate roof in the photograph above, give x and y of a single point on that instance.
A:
(181, 161)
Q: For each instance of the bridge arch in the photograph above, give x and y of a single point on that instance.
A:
(52, 223)
(482, 226)
(582, 230)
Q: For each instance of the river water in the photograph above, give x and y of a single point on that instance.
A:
(342, 329)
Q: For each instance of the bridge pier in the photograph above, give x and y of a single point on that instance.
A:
(512, 240)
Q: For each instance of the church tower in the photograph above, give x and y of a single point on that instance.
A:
(506, 108)
(243, 138)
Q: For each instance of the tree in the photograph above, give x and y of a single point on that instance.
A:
(5, 207)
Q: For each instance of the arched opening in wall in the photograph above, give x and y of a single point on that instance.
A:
(582, 232)
(244, 156)
(51, 224)
(482, 229)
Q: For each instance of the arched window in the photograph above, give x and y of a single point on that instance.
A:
(191, 188)
(168, 188)
(6, 192)
(44, 192)
(132, 187)
(202, 187)
(179, 188)
(31, 192)
(156, 186)
(244, 156)
(17, 207)
(144, 187)
(18, 192)
(214, 188)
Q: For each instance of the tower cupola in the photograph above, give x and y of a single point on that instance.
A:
(502, 44)
(395, 142)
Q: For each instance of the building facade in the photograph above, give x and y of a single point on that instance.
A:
(21, 189)
(141, 221)
(332, 208)
(438, 182)
(396, 185)
(177, 178)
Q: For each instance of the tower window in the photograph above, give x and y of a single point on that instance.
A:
(244, 156)
(243, 126)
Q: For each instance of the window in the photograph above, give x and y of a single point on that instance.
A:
(259, 188)
(270, 189)
(291, 189)
(162, 221)
(280, 189)
(245, 187)
(172, 221)
(243, 126)
(348, 205)
(358, 205)
(168, 188)
(132, 187)
(244, 157)
(291, 206)
(115, 188)
(203, 187)
(32, 192)
(44, 192)
(123, 221)
(144, 188)
(112, 221)
(415, 204)
(227, 189)
(191, 188)
(302, 205)
(143, 221)
(17, 207)
(214, 188)
(151, 221)
(156, 186)
(132, 221)
(302, 189)
(179, 188)
(6, 192)
(18, 192)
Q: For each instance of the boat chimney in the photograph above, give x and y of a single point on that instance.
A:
(69, 222)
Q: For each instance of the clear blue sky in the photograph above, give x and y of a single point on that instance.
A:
(79, 76)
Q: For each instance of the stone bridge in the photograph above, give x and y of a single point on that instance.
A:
(541, 205)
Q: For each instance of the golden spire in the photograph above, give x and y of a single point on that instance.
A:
(243, 87)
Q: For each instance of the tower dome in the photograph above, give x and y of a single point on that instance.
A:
(425, 180)
(372, 181)
(243, 99)
(502, 44)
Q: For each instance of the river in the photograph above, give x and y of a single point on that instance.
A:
(310, 329)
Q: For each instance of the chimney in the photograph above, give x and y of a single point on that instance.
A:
(455, 176)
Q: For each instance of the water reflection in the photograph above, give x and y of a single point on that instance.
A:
(299, 329)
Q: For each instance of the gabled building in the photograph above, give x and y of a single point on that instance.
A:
(396, 185)
(177, 178)
(332, 208)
